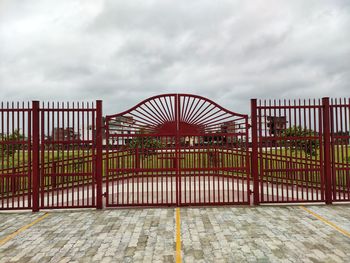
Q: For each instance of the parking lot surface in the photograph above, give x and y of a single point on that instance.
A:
(214, 234)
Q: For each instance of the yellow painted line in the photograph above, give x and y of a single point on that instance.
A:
(23, 228)
(178, 236)
(324, 220)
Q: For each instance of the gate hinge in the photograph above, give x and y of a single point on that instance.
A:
(249, 126)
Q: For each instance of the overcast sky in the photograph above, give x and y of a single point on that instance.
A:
(126, 51)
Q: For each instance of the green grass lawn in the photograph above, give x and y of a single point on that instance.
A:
(276, 164)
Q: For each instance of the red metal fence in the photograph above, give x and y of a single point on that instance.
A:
(340, 149)
(50, 155)
(301, 151)
(16, 158)
(289, 147)
(67, 156)
(174, 149)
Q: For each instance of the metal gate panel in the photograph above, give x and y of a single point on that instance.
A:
(213, 153)
(216, 174)
(15, 156)
(67, 154)
(340, 149)
(141, 161)
(140, 173)
(290, 151)
(177, 149)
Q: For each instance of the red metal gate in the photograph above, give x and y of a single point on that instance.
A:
(290, 147)
(302, 150)
(177, 149)
(50, 156)
(68, 154)
(340, 149)
(15, 156)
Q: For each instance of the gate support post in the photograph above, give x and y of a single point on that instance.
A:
(98, 167)
(326, 149)
(254, 159)
(35, 156)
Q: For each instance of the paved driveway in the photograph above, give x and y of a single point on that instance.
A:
(218, 234)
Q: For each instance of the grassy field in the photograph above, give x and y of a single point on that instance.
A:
(77, 165)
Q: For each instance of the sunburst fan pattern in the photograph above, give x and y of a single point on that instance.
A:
(171, 113)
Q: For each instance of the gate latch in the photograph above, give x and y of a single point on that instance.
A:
(104, 194)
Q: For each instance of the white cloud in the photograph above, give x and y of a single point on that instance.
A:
(125, 51)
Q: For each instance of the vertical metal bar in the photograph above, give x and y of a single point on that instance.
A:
(18, 188)
(2, 153)
(177, 150)
(284, 182)
(137, 160)
(306, 171)
(35, 174)
(326, 143)
(346, 175)
(310, 175)
(133, 166)
(260, 157)
(12, 155)
(108, 162)
(51, 148)
(254, 162)
(333, 143)
(29, 158)
(338, 183)
(98, 167)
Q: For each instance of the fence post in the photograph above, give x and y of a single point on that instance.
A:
(35, 156)
(254, 162)
(326, 149)
(98, 168)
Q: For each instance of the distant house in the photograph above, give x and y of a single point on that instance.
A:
(276, 125)
(228, 127)
(64, 134)
(118, 125)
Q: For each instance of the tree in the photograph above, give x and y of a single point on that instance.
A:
(298, 138)
(341, 137)
(146, 145)
(8, 144)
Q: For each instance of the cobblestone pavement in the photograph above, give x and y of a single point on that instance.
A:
(11, 221)
(217, 234)
(338, 214)
(263, 234)
(143, 235)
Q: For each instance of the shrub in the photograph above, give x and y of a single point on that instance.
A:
(9, 145)
(146, 145)
(298, 138)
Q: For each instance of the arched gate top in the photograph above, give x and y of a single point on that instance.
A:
(168, 113)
